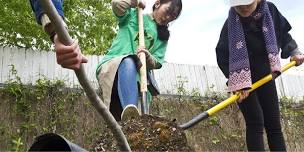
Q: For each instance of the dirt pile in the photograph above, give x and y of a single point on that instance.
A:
(147, 133)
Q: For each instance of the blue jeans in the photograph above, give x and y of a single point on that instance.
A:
(36, 7)
(125, 87)
(127, 82)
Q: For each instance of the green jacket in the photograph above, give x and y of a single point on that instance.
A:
(126, 41)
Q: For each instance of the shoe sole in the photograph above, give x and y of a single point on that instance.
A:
(130, 112)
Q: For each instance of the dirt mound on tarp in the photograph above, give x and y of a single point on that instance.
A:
(147, 133)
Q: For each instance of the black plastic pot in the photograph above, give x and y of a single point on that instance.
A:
(54, 142)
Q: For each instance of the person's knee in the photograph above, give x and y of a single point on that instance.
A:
(255, 121)
(273, 127)
(128, 64)
(255, 125)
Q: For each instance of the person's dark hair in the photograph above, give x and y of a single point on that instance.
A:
(162, 30)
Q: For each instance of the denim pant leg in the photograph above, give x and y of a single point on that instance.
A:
(127, 82)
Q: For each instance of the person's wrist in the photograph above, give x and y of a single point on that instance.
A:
(52, 36)
(294, 52)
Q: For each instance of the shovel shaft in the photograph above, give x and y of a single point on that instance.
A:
(231, 100)
(143, 69)
(145, 105)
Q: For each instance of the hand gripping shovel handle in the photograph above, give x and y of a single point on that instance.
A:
(65, 38)
(143, 69)
(230, 100)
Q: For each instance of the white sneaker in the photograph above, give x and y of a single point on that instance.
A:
(129, 112)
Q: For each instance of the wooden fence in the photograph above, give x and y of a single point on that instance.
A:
(32, 65)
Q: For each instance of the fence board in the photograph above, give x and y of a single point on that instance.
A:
(159, 79)
(6, 62)
(35, 64)
(279, 86)
(293, 85)
(211, 79)
(190, 77)
(27, 65)
(162, 74)
(194, 78)
(1, 61)
(203, 78)
(50, 69)
(20, 63)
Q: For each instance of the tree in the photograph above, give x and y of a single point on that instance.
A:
(90, 21)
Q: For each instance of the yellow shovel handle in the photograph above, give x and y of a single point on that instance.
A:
(232, 99)
(256, 85)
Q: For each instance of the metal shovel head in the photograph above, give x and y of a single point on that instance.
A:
(54, 142)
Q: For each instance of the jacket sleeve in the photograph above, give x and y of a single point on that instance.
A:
(119, 7)
(222, 51)
(287, 44)
(124, 11)
(37, 8)
(157, 56)
(43, 19)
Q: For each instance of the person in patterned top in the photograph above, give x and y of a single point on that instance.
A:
(248, 50)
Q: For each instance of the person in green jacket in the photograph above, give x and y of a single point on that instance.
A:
(117, 72)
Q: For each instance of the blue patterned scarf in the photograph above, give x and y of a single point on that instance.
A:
(239, 67)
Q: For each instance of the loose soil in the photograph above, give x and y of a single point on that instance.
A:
(147, 133)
